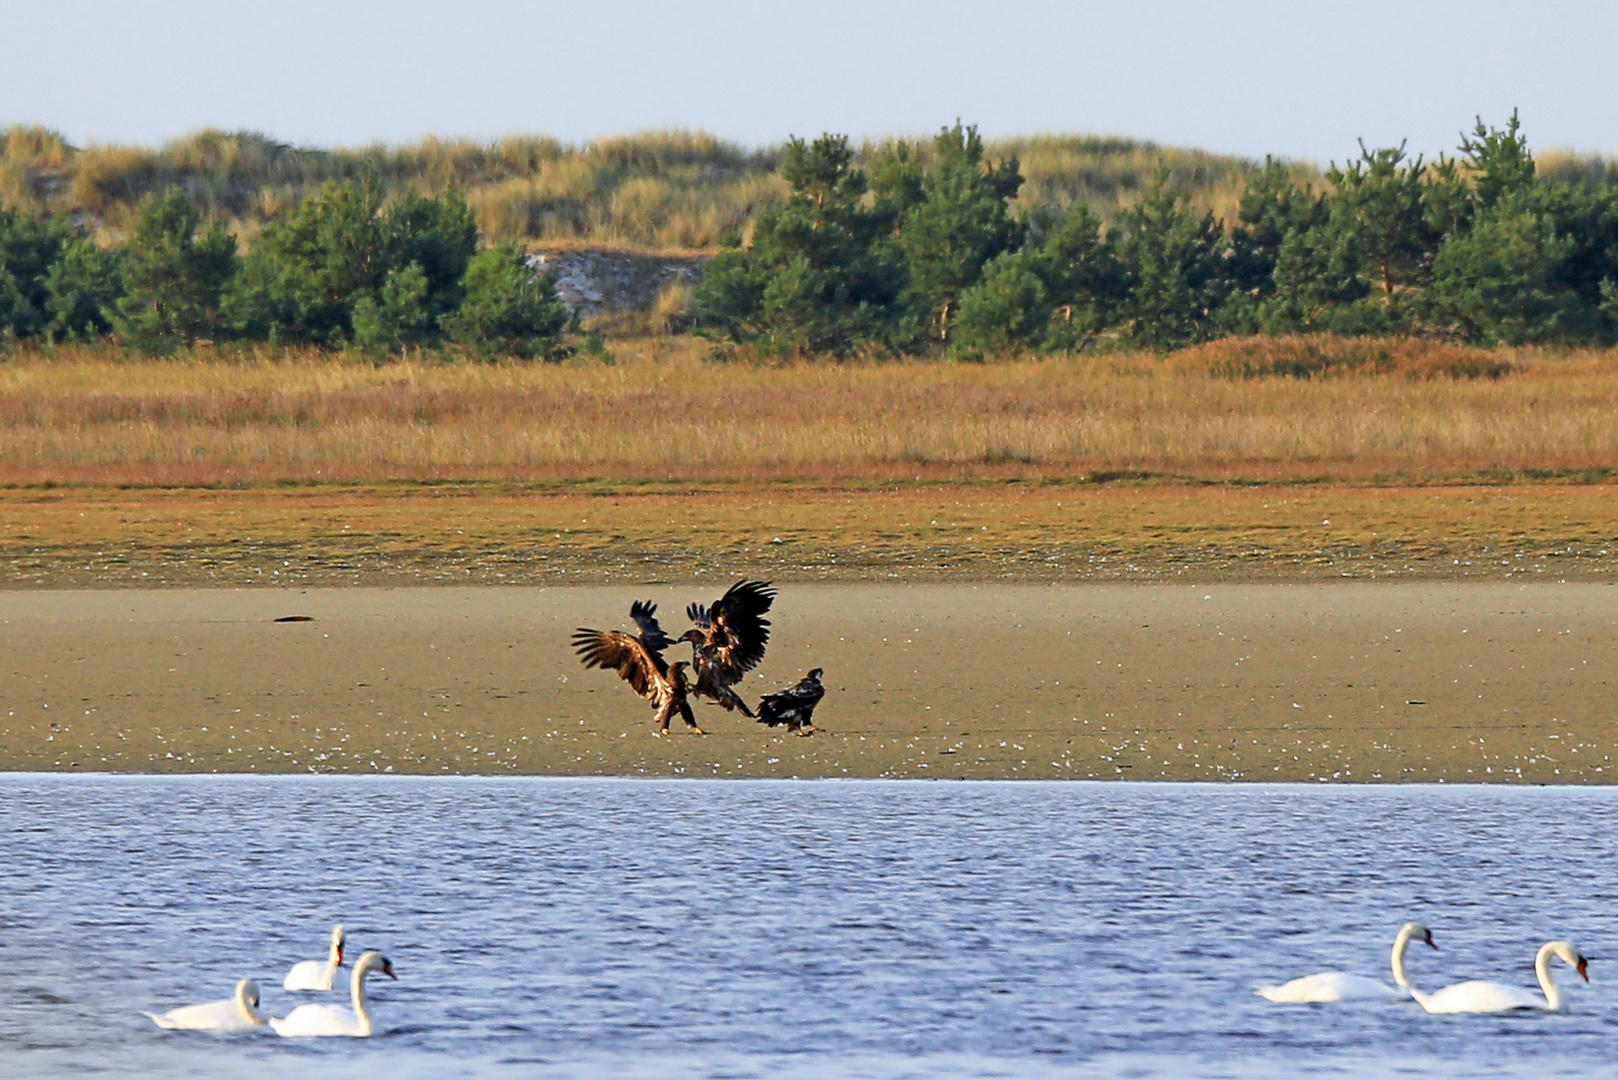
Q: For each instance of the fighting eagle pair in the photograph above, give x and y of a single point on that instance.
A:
(727, 642)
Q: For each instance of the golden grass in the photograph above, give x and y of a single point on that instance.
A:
(665, 410)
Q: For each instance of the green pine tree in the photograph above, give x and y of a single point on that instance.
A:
(508, 310)
(961, 223)
(175, 269)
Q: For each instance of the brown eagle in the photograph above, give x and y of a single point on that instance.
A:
(794, 707)
(728, 640)
(638, 659)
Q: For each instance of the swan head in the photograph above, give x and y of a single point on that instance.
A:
(1415, 931)
(337, 944)
(247, 1001)
(373, 961)
(1571, 956)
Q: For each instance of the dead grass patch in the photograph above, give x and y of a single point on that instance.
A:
(663, 410)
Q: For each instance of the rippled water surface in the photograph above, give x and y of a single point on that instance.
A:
(728, 929)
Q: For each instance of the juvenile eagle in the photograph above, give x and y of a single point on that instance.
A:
(638, 659)
(795, 707)
(728, 640)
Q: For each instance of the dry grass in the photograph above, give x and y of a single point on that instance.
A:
(672, 189)
(666, 411)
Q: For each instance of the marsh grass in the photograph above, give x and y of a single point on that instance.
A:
(665, 411)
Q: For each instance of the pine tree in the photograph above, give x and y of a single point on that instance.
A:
(961, 223)
(814, 278)
(1379, 209)
(1178, 269)
(174, 273)
(508, 310)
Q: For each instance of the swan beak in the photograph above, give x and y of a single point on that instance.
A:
(387, 969)
(1584, 969)
(1431, 944)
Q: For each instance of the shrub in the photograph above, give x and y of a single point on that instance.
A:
(1326, 355)
(508, 309)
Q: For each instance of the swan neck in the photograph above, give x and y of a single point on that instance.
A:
(357, 998)
(245, 1007)
(1401, 943)
(1547, 981)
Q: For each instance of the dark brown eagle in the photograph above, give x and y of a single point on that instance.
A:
(728, 640)
(638, 659)
(794, 707)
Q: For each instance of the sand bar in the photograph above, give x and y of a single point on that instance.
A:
(1502, 681)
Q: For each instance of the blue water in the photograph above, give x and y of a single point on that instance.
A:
(727, 929)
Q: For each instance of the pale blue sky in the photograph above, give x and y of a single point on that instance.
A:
(1300, 79)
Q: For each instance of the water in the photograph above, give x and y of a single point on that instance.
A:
(682, 929)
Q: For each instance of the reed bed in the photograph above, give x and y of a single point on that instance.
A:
(666, 410)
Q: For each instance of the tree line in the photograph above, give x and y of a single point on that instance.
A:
(910, 248)
(911, 256)
(349, 268)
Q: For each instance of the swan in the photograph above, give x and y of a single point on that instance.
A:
(314, 975)
(234, 1014)
(1341, 986)
(307, 1020)
(1487, 997)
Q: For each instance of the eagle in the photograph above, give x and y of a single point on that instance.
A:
(728, 640)
(795, 707)
(638, 659)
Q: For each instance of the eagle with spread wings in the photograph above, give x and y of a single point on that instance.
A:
(794, 707)
(638, 659)
(728, 640)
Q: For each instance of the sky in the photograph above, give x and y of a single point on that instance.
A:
(1299, 79)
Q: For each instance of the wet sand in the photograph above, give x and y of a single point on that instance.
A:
(1501, 681)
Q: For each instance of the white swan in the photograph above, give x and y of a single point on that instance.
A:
(1488, 997)
(314, 975)
(234, 1014)
(1341, 986)
(307, 1020)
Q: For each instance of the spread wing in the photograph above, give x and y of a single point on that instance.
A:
(736, 627)
(617, 651)
(644, 612)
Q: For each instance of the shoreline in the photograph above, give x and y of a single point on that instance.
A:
(1345, 681)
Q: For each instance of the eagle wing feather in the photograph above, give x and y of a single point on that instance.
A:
(644, 612)
(617, 651)
(738, 631)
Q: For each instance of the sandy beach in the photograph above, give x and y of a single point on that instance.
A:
(1370, 682)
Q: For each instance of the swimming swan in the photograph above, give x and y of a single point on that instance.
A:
(307, 1020)
(234, 1014)
(1488, 997)
(314, 975)
(1341, 986)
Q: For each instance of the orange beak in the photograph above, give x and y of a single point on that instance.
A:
(1584, 971)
